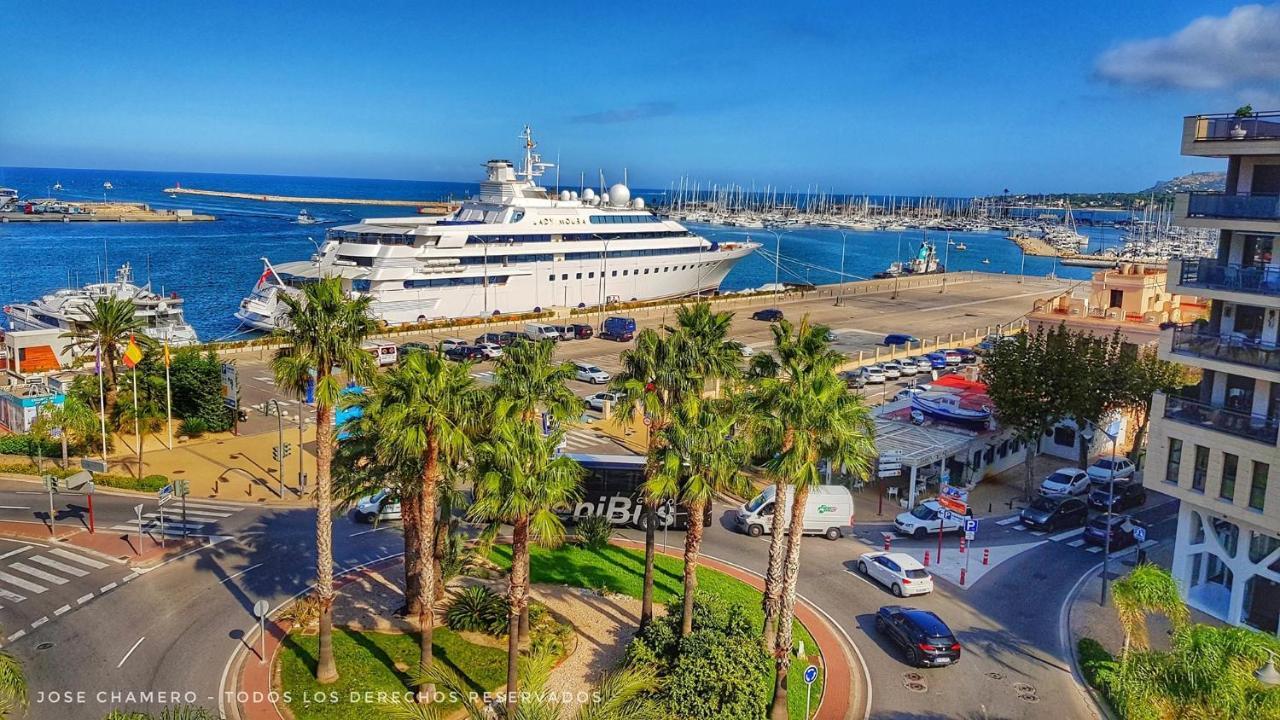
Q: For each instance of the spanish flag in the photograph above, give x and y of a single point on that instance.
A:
(167, 361)
(132, 354)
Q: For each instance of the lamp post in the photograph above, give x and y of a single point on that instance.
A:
(844, 241)
(898, 273)
(279, 442)
(946, 258)
(777, 258)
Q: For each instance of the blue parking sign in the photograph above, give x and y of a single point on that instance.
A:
(971, 525)
(811, 674)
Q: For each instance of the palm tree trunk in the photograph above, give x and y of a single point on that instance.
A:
(326, 670)
(64, 448)
(692, 545)
(426, 541)
(773, 575)
(790, 576)
(518, 601)
(650, 549)
(410, 515)
(524, 611)
(438, 546)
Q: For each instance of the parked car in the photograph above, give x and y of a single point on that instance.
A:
(892, 370)
(937, 360)
(831, 336)
(952, 357)
(901, 573)
(540, 331)
(895, 339)
(587, 372)
(1121, 531)
(905, 393)
(907, 368)
(746, 350)
(501, 339)
(490, 351)
(1065, 481)
(1103, 470)
(923, 363)
(451, 343)
(767, 315)
(619, 329)
(579, 331)
(409, 347)
(925, 519)
(927, 641)
(967, 356)
(854, 378)
(506, 337)
(1053, 513)
(459, 353)
(874, 374)
(1130, 494)
(382, 505)
(597, 400)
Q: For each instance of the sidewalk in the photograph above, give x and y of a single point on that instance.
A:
(111, 544)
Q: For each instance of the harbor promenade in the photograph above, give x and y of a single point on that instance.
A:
(427, 206)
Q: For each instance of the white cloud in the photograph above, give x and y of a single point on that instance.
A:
(1212, 53)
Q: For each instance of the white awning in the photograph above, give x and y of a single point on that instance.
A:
(916, 445)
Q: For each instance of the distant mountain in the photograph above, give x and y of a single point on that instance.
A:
(1192, 182)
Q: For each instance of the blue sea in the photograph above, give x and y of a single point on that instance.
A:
(214, 264)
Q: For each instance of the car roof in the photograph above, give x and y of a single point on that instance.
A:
(904, 560)
(931, 624)
(1068, 471)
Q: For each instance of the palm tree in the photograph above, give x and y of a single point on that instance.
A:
(325, 331)
(13, 687)
(654, 374)
(111, 323)
(701, 456)
(1148, 589)
(712, 355)
(523, 482)
(71, 419)
(811, 418)
(426, 405)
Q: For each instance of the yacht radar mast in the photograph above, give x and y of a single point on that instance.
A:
(533, 165)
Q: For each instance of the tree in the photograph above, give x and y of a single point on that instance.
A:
(1094, 370)
(712, 356)
(700, 457)
(1025, 378)
(110, 324)
(324, 334)
(426, 404)
(141, 408)
(1148, 589)
(523, 482)
(13, 687)
(196, 381)
(71, 419)
(1147, 374)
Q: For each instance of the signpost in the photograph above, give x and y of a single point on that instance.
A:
(260, 610)
(137, 509)
(810, 677)
(952, 500)
(231, 393)
(182, 488)
(970, 531)
(164, 496)
(1139, 533)
(51, 484)
(83, 482)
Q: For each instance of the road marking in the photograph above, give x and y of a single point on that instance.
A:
(39, 622)
(24, 584)
(84, 599)
(1019, 527)
(15, 507)
(126, 655)
(61, 610)
(1076, 543)
(214, 506)
(1038, 533)
(66, 555)
(1008, 520)
(11, 596)
(233, 577)
(366, 532)
(15, 636)
(107, 588)
(177, 511)
(1069, 534)
(1094, 549)
(36, 572)
(11, 553)
(128, 577)
(154, 524)
(72, 571)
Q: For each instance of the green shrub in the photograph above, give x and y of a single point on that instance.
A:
(150, 483)
(31, 469)
(595, 531)
(477, 609)
(26, 444)
(193, 427)
(1092, 656)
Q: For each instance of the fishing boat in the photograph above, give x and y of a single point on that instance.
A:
(986, 261)
(108, 186)
(306, 218)
(946, 406)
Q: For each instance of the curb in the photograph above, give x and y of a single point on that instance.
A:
(1100, 706)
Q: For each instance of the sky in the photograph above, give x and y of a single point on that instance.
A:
(938, 98)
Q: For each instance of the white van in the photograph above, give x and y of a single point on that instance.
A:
(384, 353)
(538, 331)
(828, 511)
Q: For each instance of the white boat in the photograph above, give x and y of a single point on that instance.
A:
(513, 248)
(306, 218)
(57, 185)
(108, 186)
(946, 406)
(64, 309)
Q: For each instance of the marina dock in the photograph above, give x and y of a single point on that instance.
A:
(426, 207)
(50, 211)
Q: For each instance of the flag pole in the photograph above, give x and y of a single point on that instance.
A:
(137, 426)
(102, 402)
(168, 394)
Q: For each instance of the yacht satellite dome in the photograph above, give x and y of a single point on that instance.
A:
(564, 195)
(588, 194)
(638, 203)
(619, 195)
(604, 199)
(573, 194)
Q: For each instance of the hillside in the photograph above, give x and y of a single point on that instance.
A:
(1191, 182)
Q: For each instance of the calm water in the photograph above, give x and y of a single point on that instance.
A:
(214, 264)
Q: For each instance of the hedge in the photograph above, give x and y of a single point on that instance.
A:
(1091, 654)
(150, 483)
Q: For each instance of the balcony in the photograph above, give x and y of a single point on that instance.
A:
(1254, 427)
(1235, 348)
(1225, 134)
(1241, 206)
(1211, 274)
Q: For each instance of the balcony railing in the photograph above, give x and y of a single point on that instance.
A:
(1211, 274)
(1258, 126)
(1241, 206)
(1255, 427)
(1235, 348)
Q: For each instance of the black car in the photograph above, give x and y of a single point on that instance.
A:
(1128, 495)
(1121, 531)
(767, 315)
(409, 347)
(1052, 513)
(578, 331)
(967, 356)
(499, 339)
(854, 378)
(927, 640)
(460, 353)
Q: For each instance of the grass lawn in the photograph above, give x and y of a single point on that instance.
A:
(621, 570)
(367, 664)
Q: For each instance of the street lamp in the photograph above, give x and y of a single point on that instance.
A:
(946, 258)
(1267, 674)
(777, 258)
(844, 240)
(898, 273)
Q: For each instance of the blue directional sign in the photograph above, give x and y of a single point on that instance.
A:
(1139, 533)
(811, 674)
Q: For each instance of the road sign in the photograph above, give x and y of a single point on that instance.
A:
(97, 466)
(261, 608)
(954, 499)
(230, 385)
(1139, 533)
(890, 466)
(811, 674)
(971, 525)
(78, 481)
(165, 494)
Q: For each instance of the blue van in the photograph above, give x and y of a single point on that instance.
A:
(620, 329)
(893, 339)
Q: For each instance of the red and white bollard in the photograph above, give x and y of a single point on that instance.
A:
(888, 541)
(962, 544)
(986, 556)
(962, 574)
(926, 558)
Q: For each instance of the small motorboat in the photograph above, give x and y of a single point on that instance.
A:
(946, 406)
(986, 261)
(961, 247)
(108, 186)
(57, 185)
(306, 218)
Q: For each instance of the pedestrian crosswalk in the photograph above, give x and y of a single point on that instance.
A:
(34, 570)
(200, 520)
(486, 376)
(1071, 538)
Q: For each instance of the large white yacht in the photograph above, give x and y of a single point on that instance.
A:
(515, 247)
(161, 315)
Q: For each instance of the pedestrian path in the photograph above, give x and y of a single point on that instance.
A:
(485, 376)
(201, 519)
(32, 570)
(1070, 538)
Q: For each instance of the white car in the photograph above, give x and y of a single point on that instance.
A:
(907, 368)
(923, 364)
(1065, 481)
(381, 505)
(451, 343)
(590, 373)
(746, 350)
(906, 393)
(1103, 470)
(491, 351)
(892, 370)
(874, 375)
(925, 519)
(901, 573)
(597, 401)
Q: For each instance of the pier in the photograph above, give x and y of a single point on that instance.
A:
(59, 211)
(426, 207)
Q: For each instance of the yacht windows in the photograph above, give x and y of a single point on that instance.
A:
(551, 277)
(611, 219)
(360, 285)
(565, 276)
(454, 282)
(591, 275)
(579, 277)
(615, 273)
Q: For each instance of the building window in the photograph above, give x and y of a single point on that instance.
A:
(551, 277)
(646, 271)
(1201, 469)
(579, 276)
(624, 272)
(1227, 490)
(613, 273)
(564, 276)
(1258, 486)
(591, 275)
(1174, 466)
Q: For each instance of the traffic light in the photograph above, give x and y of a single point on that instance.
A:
(182, 488)
(281, 451)
(51, 483)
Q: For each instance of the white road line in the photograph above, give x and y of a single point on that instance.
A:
(36, 572)
(126, 655)
(61, 610)
(24, 584)
(15, 507)
(66, 555)
(11, 596)
(1019, 527)
(1075, 543)
(11, 553)
(107, 588)
(176, 511)
(1008, 520)
(155, 523)
(1094, 549)
(84, 599)
(39, 622)
(205, 505)
(128, 577)
(63, 567)
(19, 634)
(1069, 534)
(383, 526)
(233, 577)
(1038, 533)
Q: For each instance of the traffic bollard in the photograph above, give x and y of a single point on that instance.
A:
(962, 544)
(986, 556)
(926, 558)
(962, 573)
(888, 541)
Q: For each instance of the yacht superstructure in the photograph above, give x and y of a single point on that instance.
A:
(63, 309)
(513, 248)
